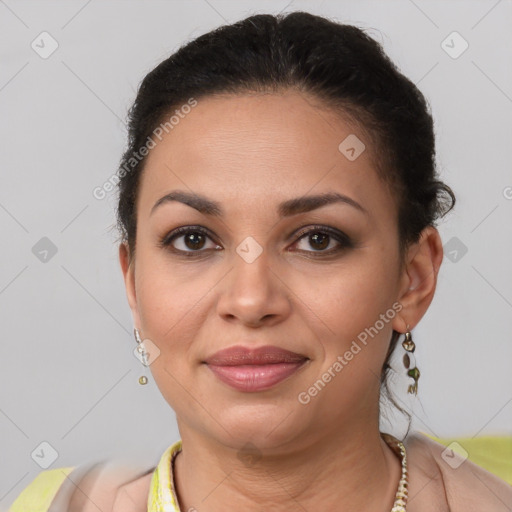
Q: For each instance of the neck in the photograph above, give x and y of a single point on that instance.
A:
(340, 471)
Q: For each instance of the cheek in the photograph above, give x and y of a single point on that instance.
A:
(171, 307)
(356, 306)
(170, 302)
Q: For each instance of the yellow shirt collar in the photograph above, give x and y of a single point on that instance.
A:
(162, 495)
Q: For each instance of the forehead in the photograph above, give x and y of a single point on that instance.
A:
(258, 147)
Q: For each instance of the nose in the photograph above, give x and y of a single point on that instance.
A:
(253, 293)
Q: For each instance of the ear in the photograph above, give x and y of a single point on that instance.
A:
(128, 268)
(419, 279)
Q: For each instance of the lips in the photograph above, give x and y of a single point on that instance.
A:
(239, 355)
(255, 369)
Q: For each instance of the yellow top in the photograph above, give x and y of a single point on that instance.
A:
(162, 496)
(492, 453)
(39, 494)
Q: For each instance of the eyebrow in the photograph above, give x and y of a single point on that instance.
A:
(285, 209)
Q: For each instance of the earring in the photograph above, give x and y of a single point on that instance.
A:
(143, 354)
(410, 362)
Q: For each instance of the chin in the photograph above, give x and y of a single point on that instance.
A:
(265, 425)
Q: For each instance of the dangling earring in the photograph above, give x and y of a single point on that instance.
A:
(141, 349)
(410, 362)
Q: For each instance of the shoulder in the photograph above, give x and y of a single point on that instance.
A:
(113, 487)
(132, 494)
(109, 486)
(440, 474)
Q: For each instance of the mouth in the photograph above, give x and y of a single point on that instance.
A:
(252, 370)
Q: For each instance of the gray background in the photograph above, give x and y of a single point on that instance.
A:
(68, 375)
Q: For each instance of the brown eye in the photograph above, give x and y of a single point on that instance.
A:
(320, 238)
(188, 240)
(194, 240)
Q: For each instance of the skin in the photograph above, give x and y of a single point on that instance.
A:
(250, 152)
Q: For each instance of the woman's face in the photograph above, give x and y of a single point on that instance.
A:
(258, 279)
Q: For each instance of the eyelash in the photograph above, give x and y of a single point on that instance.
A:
(339, 236)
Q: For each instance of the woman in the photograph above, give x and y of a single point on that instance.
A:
(277, 207)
